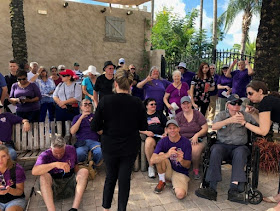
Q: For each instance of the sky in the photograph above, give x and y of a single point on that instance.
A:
(182, 7)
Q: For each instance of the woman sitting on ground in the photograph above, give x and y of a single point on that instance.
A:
(175, 91)
(156, 124)
(12, 179)
(193, 126)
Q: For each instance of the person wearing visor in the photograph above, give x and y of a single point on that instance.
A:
(231, 145)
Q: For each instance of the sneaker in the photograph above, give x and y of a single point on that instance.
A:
(151, 172)
(196, 175)
(235, 196)
(160, 186)
(206, 193)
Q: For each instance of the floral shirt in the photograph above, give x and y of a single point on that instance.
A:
(45, 88)
(199, 93)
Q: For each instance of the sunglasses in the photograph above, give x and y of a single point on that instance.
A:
(153, 104)
(21, 79)
(132, 68)
(62, 69)
(65, 75)
(235, 103)
(250, 93)
(87, 104)
(180, 68)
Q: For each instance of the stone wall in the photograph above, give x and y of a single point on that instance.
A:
(73, 34)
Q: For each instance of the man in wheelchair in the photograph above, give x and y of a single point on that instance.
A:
(230, 146)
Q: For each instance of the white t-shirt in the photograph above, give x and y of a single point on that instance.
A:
(30, 75)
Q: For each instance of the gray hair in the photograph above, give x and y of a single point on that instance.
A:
(176, 72)
(60, 66)
(212, 65)
(59, 142)
(155, 68)
(32, 64)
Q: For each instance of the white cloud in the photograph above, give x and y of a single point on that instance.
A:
(206, 21)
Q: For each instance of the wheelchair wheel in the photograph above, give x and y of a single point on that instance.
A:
(255, 197)
(255, 165)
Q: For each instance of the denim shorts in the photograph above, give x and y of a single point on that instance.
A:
(21, 202)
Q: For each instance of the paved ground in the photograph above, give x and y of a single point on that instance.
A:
(143, 198)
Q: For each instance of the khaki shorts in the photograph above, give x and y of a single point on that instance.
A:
(178, 180)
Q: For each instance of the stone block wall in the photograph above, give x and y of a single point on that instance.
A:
(73, 34)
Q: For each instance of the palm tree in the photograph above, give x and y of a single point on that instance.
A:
(249, 7)
(267, 60)
(201, 15)
(18, 31)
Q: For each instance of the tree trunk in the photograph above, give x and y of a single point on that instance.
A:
(267, 61)
(246, 23)
(201, 15)
(18, 31)
(214, 31)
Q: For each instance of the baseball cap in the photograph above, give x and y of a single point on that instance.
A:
(172, 121)
(182, 64)
(225, 66)
(67, 72)
(121, 60)
(76, 64)
(185, 99)
(234, 98)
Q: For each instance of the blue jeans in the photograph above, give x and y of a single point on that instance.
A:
(83, 147)
(43, 111)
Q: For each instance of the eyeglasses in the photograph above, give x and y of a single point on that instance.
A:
(180, 68)
(250, 93)
(65, 75)
(87, 104)
(153, 104)
(21, 79)
(235, 103)
(212, 68)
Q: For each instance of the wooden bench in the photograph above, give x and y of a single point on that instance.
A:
(30, 144)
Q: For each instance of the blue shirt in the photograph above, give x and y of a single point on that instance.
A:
(2, 83)
(89, 86)
(45, 88)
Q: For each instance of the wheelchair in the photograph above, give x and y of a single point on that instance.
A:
(251, 194)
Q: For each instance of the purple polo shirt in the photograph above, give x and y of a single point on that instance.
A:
(224, 81)
(31, 91)
(7, 120)
(84, 131)
(189, 129)
(187, 77)
(20, 176)
(156, 89)
(165, 144)
(70, 157)
(240, 79)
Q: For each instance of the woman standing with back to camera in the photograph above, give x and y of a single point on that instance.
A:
(120, 116)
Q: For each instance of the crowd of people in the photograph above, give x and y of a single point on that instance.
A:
(171, 117)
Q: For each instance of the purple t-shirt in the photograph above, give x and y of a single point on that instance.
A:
(31, 91)
(156, 89)
(189, 129)
(70, 157)
(7, 120)
(2, 83)
(240, 79)
(84, 131)
(187, 77)
(20, 176)
(224, 81)
(177, 94)
(165, 144)
(216, 78)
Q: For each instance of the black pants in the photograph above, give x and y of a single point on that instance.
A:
(203, 106)
(117, 168)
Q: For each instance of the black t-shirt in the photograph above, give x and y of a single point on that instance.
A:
(272, 104)
(121, 117)
(103, 86)
(156, 122)
(10, 80)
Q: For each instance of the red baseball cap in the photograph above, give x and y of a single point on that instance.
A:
(67, 72)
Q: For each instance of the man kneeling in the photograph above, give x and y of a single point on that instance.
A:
(172, 157)
(57, 167)
(231, 145)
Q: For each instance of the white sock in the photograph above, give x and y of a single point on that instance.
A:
(162, 177)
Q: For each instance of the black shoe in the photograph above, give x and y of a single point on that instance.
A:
(241, 187)
(206, 193)
(235, 196)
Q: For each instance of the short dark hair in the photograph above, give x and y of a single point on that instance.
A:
(13, 61)
(21, 72)
(148, 100)
(257, 85)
